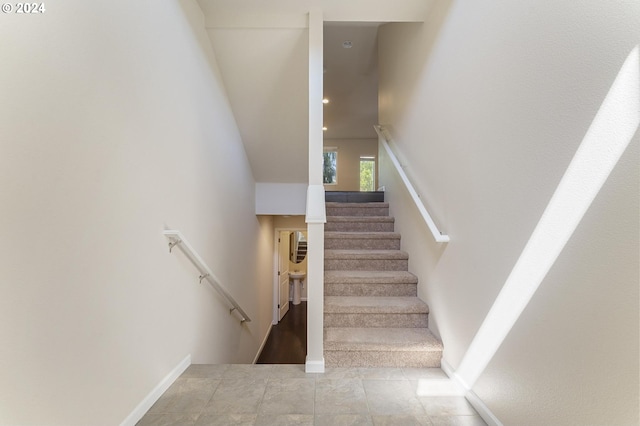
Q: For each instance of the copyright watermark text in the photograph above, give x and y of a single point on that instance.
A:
(23, 8)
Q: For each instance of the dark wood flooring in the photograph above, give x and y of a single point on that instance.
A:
(287, 342)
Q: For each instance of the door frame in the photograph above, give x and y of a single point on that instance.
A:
(276, 281)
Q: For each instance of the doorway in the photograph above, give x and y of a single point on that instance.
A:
(290, 260)
(287, 340)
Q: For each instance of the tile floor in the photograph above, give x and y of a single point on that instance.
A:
(271, 394)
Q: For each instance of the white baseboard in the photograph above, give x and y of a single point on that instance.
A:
(482, 409)
(156, 393)
(314, 366)
(475, 401)
(264, 342)
(446, 367)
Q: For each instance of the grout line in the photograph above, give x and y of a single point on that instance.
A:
(366, 398)
(209, 400)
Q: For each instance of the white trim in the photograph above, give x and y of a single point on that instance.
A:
(264, 342)
(276, 281)
(449, 371)
(482, 409)
(151, 398)
(315, 295)
(447, 368)
(316, 212)
(314, 366)
(475, 401)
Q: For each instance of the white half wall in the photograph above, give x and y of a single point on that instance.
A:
(115, 127)
(281, 198)
(488, 102)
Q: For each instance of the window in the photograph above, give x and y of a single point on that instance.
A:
(367, 174)
(330, 167)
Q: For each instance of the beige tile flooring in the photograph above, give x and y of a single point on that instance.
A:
(272, 394)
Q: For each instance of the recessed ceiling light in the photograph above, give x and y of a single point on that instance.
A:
(324, 128)
(325, 101)
(347, 44)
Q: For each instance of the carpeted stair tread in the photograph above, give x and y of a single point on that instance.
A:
(369, 277)
(360, 219)
(380, 339)
(357, 209)
(365, 254)
(374, 305)
(360, 223)
(362, 235)
(333, 204)
(349, 240)
(370, 283)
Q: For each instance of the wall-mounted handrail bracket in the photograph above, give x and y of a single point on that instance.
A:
(242, 319)
(172, 244)
(176, 239)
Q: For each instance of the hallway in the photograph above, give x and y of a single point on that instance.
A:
(287, 341)
(245, 394)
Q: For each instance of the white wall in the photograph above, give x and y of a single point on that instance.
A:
(488, 102)
(348, 167)
(265, 72)
(281, 198)
(115, 126)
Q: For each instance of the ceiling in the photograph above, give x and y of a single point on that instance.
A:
(262, 51)
(270, 11)
(350, 80)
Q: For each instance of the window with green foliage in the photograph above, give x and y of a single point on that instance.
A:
(367, 174)
(330, 168)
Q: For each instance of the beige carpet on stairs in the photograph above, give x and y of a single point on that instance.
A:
(372, 315)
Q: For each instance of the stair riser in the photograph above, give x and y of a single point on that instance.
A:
(362, 244)
(370, 290)
(351, 211)
(359, 226)
(376, 320)
(419, 359)
(366, 264)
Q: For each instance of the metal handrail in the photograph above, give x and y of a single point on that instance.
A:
(176, 239)
(437, 234)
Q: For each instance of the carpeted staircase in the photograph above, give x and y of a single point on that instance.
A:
(372, 315)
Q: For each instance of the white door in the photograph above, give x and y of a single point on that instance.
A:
(283, 274)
